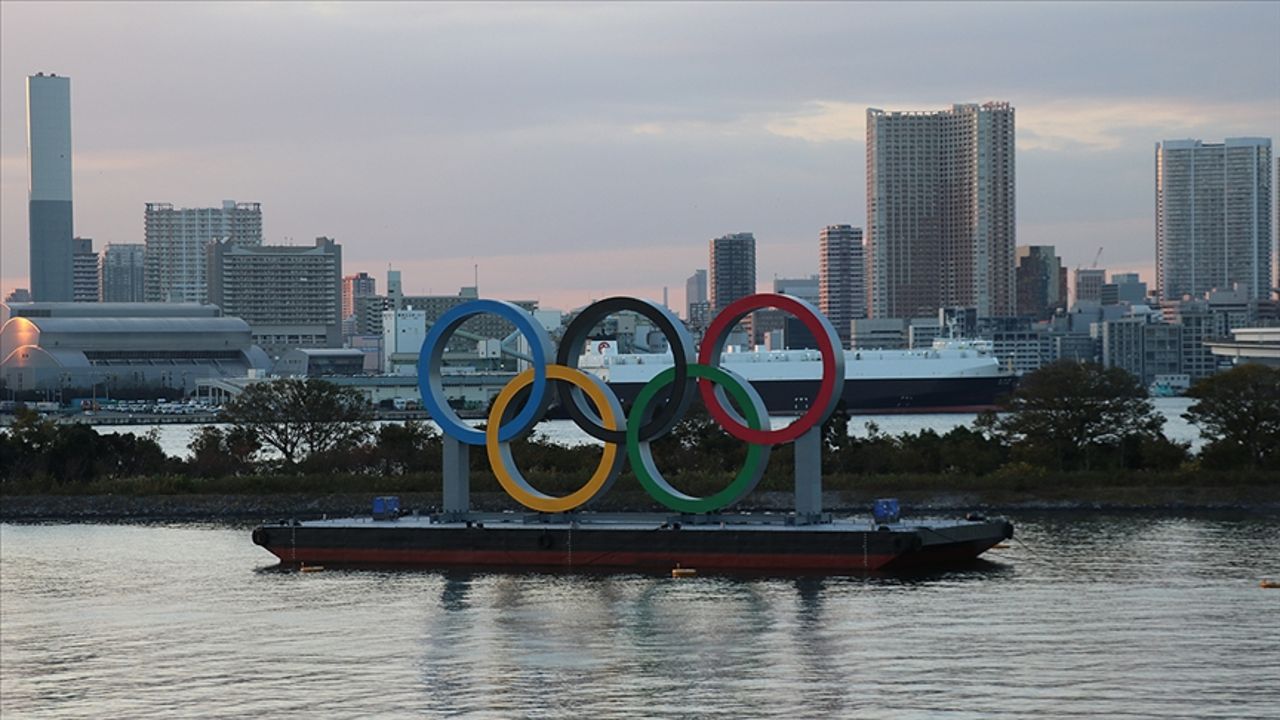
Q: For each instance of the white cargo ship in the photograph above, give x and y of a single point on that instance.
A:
(950, 376)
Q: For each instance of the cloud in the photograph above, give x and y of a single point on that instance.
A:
(823, 121)
(1058, 125)
(409, 130)
(1103, 124)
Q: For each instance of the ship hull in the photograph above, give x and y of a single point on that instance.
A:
(830, 548)
(874, 396)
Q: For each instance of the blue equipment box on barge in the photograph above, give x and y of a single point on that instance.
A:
(386, 507)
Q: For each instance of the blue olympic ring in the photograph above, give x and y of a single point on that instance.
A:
(431, 356)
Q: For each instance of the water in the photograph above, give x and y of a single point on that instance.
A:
(174, 439)
(1112, 616)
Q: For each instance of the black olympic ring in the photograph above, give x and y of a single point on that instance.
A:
(677, 398)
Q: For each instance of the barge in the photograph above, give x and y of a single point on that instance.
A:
(632, 542)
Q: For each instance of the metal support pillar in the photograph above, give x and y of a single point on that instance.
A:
(457, 477)
(808, 451)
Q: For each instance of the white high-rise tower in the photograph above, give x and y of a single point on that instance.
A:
(49, 175)
(1213, 217)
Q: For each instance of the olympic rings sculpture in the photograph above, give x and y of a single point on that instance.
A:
(661, 403)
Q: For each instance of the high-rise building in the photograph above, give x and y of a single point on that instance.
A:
(395, 291)
(49, 184)
(290, 295)
(1041, 282)
(695, 291)
(367, 317)
(356, 286)
(940, 210)
(1213, 217)
(1089, 282)
(120, 272)
(732, 272)
(177, 241)
(842, 292)
(84, 271)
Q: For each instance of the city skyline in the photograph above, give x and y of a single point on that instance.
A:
(394, 154)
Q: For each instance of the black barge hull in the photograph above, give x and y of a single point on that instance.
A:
(831, 548)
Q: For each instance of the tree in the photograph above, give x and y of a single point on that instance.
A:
(408, 447)
(300, 418)
(217, 453)
(1065, 414)
(36, 448)
(1238, 412)
(27, 445)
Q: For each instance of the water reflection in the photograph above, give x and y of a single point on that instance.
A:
(767, 643)
(1095, 615)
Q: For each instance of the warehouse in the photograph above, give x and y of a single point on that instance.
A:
(55, 347)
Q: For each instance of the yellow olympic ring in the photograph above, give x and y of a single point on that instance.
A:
(504, 467)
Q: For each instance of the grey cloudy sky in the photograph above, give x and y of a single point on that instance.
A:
(576, 151)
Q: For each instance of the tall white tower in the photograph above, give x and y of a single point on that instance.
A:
(1213, 217)
(49, 189)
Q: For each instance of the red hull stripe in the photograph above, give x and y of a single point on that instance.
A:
(555, 558)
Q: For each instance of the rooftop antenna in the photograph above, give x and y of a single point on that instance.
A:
(475, 269)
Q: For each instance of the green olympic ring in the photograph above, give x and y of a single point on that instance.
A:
(641, 456)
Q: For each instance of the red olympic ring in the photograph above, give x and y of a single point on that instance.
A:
(829, 391)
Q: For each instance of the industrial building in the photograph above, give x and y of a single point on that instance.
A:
(106, 347)
(1250, 345)
(320, 362)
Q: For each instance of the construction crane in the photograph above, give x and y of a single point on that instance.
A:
(1095, 259)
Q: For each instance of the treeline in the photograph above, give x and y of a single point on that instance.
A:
(1080, 417)
(1063, 418)
(38, 450)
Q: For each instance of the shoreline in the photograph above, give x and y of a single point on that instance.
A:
(306, 506)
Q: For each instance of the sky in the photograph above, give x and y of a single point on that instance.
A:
(569, 152)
